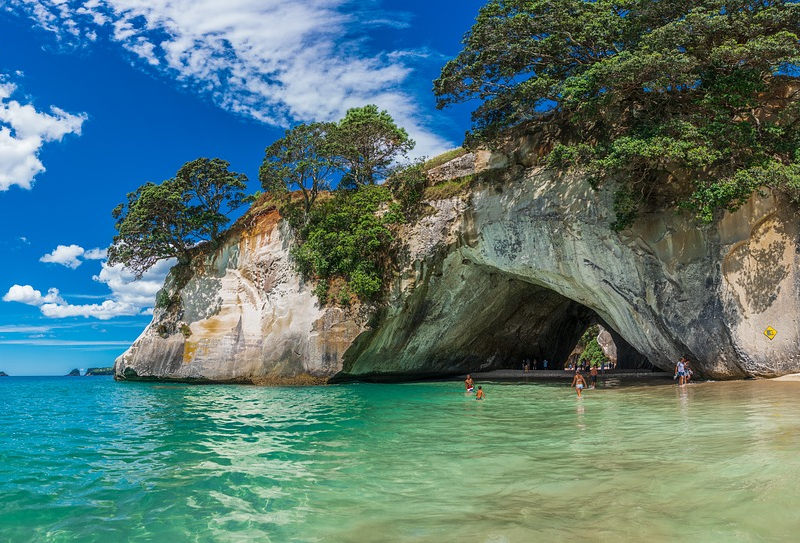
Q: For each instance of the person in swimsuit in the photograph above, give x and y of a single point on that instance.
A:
(479, 395)
(578, 382)
(468, 383)
(680, 371)
(687, 370)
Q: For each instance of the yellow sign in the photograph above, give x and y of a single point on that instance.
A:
(770, 332)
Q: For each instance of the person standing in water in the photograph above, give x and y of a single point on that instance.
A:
(578, 382)
(680, 371)
(593, 373)
(480, 395)
(468, 383)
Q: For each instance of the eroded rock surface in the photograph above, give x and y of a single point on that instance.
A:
(516, 267)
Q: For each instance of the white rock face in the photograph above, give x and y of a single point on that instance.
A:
(514, 268)
(245, 317)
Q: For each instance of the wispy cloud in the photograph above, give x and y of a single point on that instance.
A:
(63, 342)
(23, 329)
(272, 60)
(23, 132)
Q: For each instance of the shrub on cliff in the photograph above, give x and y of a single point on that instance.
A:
(347, 237)
(644, 92)
(169, 219)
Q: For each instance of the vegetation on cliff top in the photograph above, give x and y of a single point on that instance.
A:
(168, 220)
(643, 92)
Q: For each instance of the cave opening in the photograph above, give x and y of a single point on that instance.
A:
(469, 318)
(499, 321)
(533, 323)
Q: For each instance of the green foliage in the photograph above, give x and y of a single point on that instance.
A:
(301, 160)
(642, 92)
(407, 186)
(449, 188)
(185, 330)
(162, 299)
(593, 354)
(167, 220)
(367, 143)
(347, 236)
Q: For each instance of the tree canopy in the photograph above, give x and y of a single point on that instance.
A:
(643, 92)
(367, 143)
(167, 220)
(301, 160)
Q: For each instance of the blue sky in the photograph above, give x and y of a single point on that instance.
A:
(100, 96)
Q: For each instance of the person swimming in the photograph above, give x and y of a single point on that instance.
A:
(468, 383)
(480, 395)
(578, 382)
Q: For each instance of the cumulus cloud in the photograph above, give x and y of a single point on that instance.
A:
(71, 255)
(129, 296)
(26, 294)
(23, 132)
(66, 255)
(272, 60)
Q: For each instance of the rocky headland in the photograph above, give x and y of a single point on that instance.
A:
(512, 260)
(74, 373)
(99, 371)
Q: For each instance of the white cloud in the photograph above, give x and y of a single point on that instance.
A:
(66, 255)
(71, 255)
(22, 329)
(95, 254)
(23, 132)
(62, 342)
(127, 289)
(106, 310)
(26, 294)
(128, 297)
(276, 61)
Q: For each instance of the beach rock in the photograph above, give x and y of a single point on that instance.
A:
(74, 373)
(516, 266)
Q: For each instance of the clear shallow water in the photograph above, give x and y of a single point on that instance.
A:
(87, 459)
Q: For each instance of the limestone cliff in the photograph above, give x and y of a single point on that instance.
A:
(516, 265)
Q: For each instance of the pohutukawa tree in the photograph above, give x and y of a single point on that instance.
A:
(367, 143)
(167, 220)
(302, 160)
(699, 96)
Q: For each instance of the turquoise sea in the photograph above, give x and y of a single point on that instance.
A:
(88, 459)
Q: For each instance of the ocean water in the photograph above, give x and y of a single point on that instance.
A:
(88, 459)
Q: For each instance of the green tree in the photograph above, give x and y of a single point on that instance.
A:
(368, 142)
(167, 220)
(211, 190)
(301, 160)
(689, 101)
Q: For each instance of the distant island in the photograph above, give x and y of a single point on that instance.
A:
(3, 374)
(74, 373)
(99, 371)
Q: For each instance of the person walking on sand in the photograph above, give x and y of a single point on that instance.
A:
(468, 383)
(593, 373)
(578, 382)
(680, 371)
(480, 395)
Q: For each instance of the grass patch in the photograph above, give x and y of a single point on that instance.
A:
(444, 158)
(449, 188)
